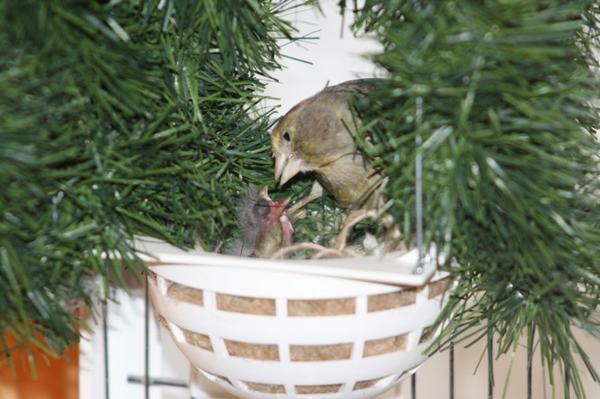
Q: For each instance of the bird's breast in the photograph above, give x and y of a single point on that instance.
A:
(349, 180)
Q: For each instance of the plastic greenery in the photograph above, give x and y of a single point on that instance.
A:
(133, 117)
(116, 119)
(501, 98)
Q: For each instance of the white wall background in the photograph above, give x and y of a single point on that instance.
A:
(334, 59)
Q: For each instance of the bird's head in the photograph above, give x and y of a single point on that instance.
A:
(313, 134)
(268, 212)
(284, 143)
(265, 226)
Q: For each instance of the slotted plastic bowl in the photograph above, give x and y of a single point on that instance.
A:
(344, 328)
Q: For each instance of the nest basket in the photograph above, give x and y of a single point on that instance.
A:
(344, 328)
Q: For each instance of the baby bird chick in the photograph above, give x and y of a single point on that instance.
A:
(264, 226)
(315, 136)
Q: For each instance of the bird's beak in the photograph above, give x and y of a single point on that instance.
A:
(278, 213)
(282, 203)
(278, 207)
(280, 162)
(287, 166)
(264, 193)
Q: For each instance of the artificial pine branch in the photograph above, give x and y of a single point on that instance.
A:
(504, 97)
(119, 119)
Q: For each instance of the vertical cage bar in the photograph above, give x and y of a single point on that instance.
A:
(419, 186)
(419, 205)
(146, 342)
(490, 352)
(451, 370)
(530, 342)
(413, 386)
(105, 344)
(528, 374)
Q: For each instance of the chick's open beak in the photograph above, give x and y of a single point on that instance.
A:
(288, 166)
(278, 210)
(281, 204)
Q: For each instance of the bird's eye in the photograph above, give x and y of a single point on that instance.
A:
(261, 208)
(286, 136)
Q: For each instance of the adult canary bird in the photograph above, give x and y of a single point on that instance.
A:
(315, 136)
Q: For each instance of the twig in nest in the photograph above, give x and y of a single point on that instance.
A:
(340, 250)
(352, 220)
(329, 253)
(321, 250)
(295, 212)
(332, 253)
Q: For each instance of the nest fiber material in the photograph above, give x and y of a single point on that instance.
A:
(264, 332)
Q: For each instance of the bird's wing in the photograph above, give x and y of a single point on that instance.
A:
(355, 86)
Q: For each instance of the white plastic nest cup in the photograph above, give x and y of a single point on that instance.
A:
(298, 329)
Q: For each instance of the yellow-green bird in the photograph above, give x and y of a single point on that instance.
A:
(315, 136)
